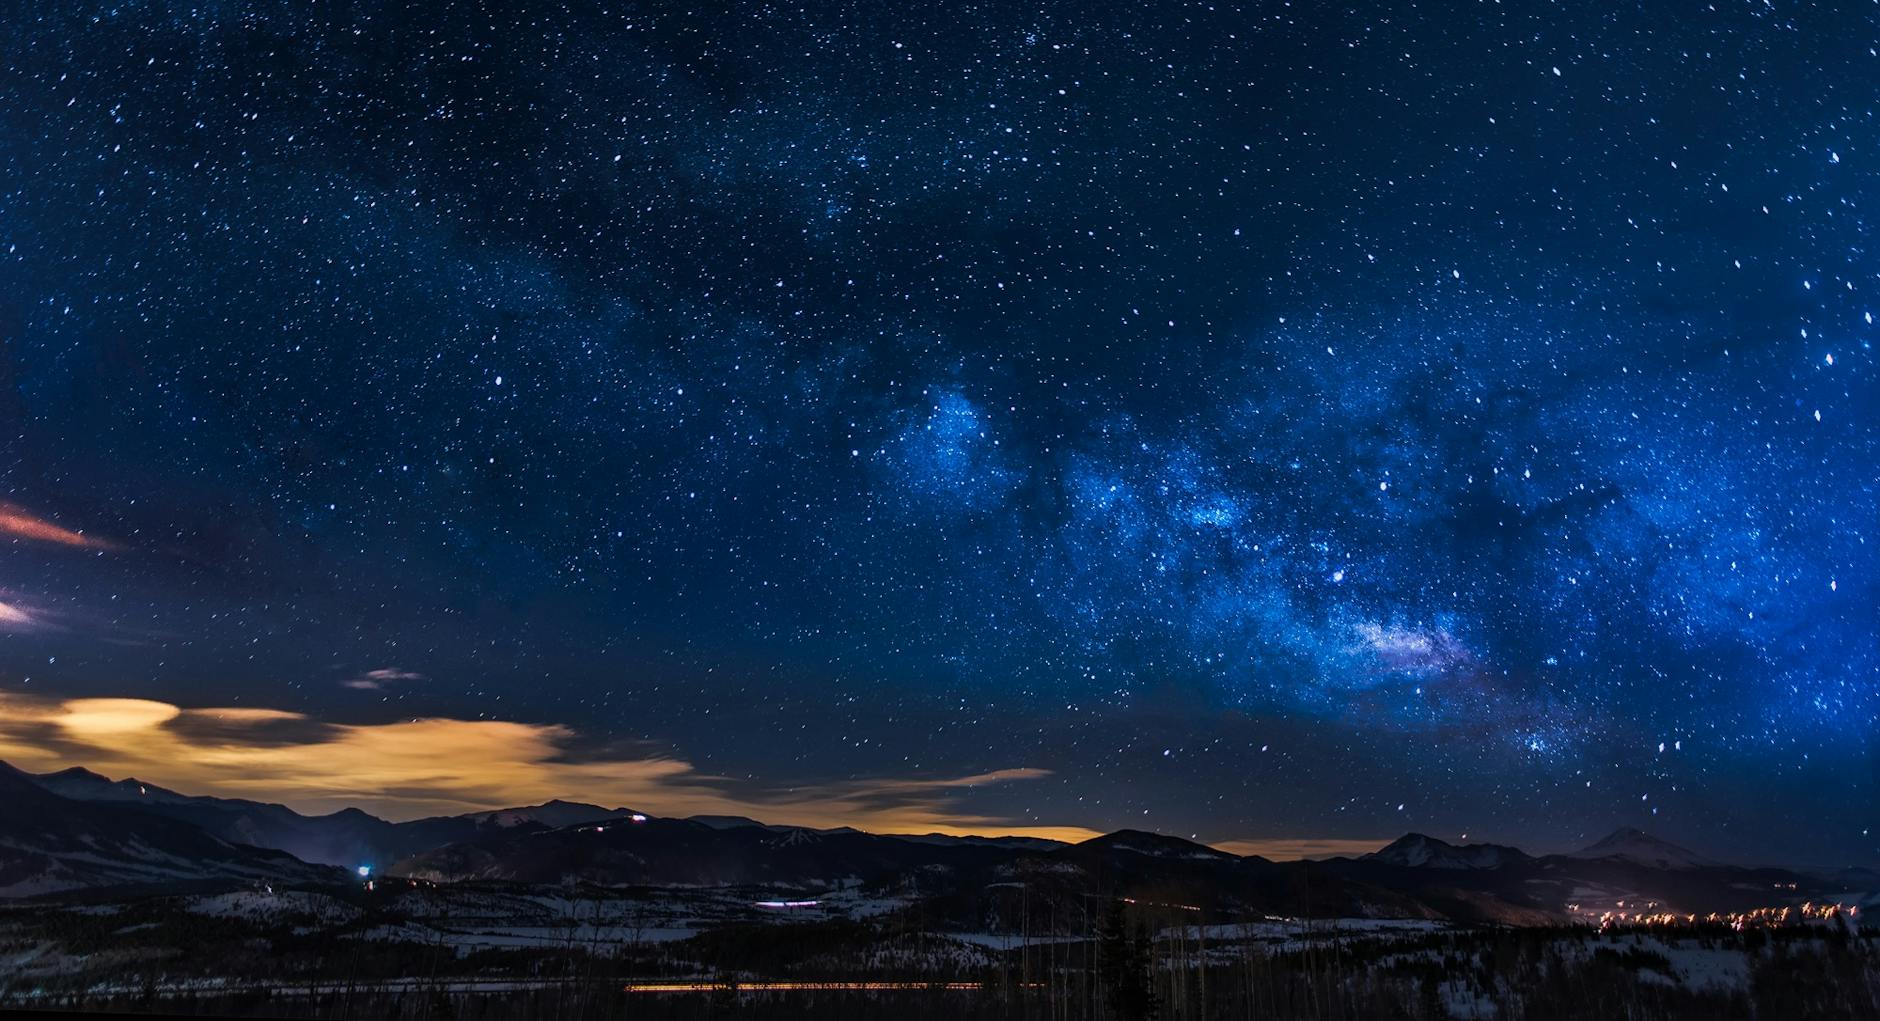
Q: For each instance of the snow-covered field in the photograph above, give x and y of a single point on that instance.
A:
(265, 904)
(1693, 964)
(470, 919)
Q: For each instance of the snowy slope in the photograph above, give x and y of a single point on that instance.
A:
(1641, 848)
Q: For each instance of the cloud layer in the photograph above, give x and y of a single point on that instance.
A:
(419, 767)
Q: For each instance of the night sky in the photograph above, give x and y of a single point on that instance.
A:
(1273, 422)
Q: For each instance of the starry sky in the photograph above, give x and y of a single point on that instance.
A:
(1284, 424)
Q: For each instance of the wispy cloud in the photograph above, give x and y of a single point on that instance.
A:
(380, 679)
(14, 617)
(419, 767)
(21, 523)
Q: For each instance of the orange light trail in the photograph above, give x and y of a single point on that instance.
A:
(813, 987)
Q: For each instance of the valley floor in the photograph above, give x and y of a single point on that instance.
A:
(411, 950)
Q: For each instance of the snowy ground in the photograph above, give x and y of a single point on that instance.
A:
(1693, 965)
(470, 918)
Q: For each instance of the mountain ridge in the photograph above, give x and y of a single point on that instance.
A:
(564, 842)
(51, 844)
(348, 837)
(1417, 850)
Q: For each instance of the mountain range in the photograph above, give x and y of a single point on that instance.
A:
(348, 838)
(50, 844)
(75, 829)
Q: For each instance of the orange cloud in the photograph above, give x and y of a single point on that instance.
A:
(23, 524)
(418, 767)
(435, 766)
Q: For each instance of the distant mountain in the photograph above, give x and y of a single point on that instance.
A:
(1415, 850)
(76, 828)
(687, 852)
(960, 880)
(1640, 848)
(1017, 843)
(728, 822)
(1154, 845)
(733, 822)
(553, 814)
(1627, 873)
(50, 843)
(347, 838)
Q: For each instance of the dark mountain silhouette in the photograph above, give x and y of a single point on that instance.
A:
(958, 879)
(1016, 843)
(347, 838)
(688, 852)
(1629, 871)
(50, 844)
(1415, 850)
(728, 822)
(126, 831)
(1152, 845)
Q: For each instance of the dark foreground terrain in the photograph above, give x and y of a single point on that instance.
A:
(119, 895)
(404, 949)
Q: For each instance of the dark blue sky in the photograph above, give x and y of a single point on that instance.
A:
(1275, 421)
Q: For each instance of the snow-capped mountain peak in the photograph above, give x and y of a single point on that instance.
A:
(1641, 848)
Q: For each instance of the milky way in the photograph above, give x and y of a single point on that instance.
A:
(1270, 420)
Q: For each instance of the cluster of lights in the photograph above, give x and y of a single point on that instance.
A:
(602, 827)
(1160, 904)
(1759, 918)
